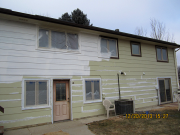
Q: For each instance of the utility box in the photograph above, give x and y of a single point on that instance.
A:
(124, 106)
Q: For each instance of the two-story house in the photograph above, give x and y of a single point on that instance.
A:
(52, 70)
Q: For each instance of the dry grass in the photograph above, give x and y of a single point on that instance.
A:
(166, 108)
(122, 126)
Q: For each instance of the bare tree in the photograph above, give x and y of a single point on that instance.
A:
(169, 37)
(140, 31)
(158, 31)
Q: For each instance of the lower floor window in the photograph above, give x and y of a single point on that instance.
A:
(36, 92)
(92, 90)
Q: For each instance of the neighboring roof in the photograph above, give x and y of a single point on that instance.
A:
(57, 21)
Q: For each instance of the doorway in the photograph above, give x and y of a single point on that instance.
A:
(165, 90)
(61, 106)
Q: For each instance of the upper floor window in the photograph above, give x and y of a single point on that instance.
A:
(109, 46)
(135, 49)
(58, 40)
(161, 54)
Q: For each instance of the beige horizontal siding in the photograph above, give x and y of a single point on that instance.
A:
(22, 119)
(11, 104)
(7, 91)
(19, 58)
(18, 110)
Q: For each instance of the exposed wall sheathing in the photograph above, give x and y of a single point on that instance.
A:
(20, 59)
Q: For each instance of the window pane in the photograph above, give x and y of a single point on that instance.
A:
(162, 90)
(42, 93)
(164, 52)
(58, 40)
(72, 41)
(159, 54)
(60, 91)
(168, 91)
(167, 83)
(43, 38)
(104, 45)
(135, 49)
(113, 47)
(30, 93)
(88, 90)
(96, 90)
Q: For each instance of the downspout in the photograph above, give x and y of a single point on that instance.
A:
(119, 87)
(175, 64)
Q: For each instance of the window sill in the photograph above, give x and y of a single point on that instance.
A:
(107, 56)
(92, 101)
(136, 55)
(59, 50)
(162, 61)
(35, 107)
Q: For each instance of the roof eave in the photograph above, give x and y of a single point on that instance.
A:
(52, 20)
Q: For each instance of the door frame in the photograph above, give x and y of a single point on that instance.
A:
(157, 80)
(52, 97)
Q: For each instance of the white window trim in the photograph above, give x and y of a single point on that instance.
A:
(23, 95)
(55, 49)
(106, 54)
(84, 91)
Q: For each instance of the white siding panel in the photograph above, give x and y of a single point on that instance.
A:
(38, 54)
(87, 44)
(47, 52)
(40, 66)
(87, 58)
(88, 48)
(9, 78)
(44, 57)
(90, 53)
(49, 62)
(18, 29)
(37, 72)
(19, 56)
(89, 38)
(17, 24)
(15, 41)
(17, 35)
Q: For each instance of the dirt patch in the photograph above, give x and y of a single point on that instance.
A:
(57, 133)
(121, 125)
(166, 108)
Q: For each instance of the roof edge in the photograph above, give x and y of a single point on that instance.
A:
(57, 21)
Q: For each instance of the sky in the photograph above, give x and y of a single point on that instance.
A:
(125, 15)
